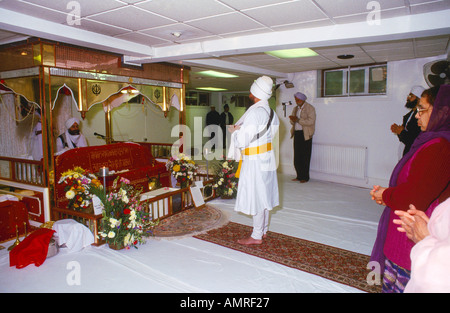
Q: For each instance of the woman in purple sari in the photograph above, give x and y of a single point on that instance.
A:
(420, 178)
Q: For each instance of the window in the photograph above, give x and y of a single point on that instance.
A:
(354, 81)
(197, 98)
(240, 101)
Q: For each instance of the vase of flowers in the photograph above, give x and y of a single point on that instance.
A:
(124, 223)
(225, 180)
(78, 182)
(183, 168)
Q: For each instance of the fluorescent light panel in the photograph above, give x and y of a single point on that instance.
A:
(211, 89)
(292, 53)
(212, 73)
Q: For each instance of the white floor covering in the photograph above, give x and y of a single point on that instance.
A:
(333, 214)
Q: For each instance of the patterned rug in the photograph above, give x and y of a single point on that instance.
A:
(332, 263)
(190, 222)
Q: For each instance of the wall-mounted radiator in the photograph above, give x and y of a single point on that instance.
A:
(340, 160)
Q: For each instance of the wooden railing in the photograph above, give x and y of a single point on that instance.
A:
(158, 150)
(22, 171)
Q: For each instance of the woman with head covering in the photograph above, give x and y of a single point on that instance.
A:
(71, 138)
(420, 178)
(251, 143)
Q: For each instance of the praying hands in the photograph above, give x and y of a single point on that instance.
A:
(412, 222)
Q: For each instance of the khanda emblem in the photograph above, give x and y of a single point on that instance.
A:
(157, 94)
(96, 89)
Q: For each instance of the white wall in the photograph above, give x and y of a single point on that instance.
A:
(360, 121)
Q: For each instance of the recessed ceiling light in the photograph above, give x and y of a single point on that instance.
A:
(211, 89)
(345, 56)
(212, 73)
(292, 53)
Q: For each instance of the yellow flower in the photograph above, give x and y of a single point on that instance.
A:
(176, 168)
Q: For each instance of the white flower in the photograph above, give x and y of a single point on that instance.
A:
(125, 199)
(111, 234)
(70, 194)
(113, 222)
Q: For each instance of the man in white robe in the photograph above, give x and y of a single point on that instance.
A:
(251, 143)
(71, 138)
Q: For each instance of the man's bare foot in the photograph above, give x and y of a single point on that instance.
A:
(249, 241)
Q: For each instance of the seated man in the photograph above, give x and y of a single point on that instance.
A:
(71, 138)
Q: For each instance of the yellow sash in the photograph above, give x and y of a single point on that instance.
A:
(252, 151)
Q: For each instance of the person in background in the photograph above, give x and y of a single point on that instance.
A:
(72, 137)
(409, 130)
(303, 121)
(251, 143)
(213, 118)
(420, 178)
(226, 118)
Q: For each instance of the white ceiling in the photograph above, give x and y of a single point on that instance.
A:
(232, 35)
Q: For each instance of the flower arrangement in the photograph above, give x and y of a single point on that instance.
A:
(225, 180)
(183, 168)
(124, 222)
(78, 182)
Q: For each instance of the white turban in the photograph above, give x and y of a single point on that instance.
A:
(262, 88)
(72, 121)
(417, 91)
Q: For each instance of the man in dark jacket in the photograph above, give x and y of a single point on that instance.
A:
(409, 130)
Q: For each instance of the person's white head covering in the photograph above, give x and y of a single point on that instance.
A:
(72, 121)
(417, 91)
(262, 88)
(300, 96)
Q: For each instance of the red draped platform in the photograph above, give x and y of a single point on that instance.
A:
(128, 160)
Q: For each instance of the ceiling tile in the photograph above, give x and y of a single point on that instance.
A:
(339, 8)
(100, 28)
(182, 10)
(141, 38)
(286, 13)
(226, 23)
(247, 4)
(131, 18)
(186, 32)
(87, 7)
(34, 11)
(303, 25)
(389, 45)
(428, 6)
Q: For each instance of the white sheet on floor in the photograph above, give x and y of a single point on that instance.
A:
(332, 214)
